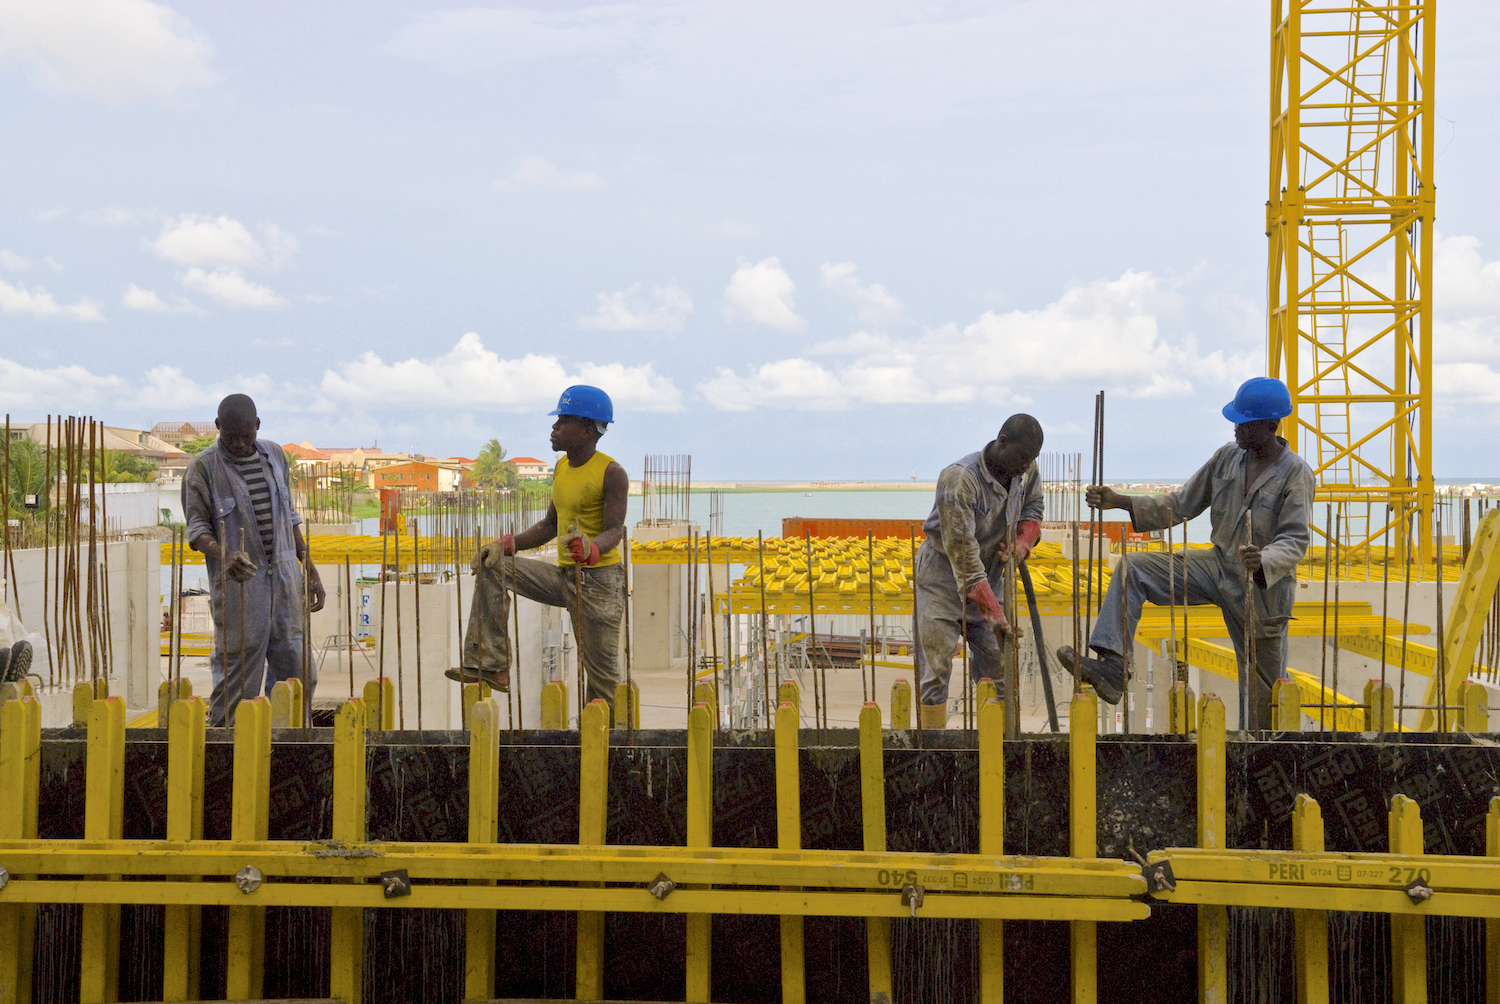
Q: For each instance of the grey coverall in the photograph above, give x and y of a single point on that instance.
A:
(487, 645)
(258, 623)
(1280, 504)
(971, 516)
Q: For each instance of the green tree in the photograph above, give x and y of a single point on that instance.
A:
(117, 467)
(28, 476)
(491, 470)
(198, 445)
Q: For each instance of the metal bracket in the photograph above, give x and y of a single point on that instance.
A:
(911, 895)
(1159, 877)
(396, 884)
(661, 887)
(248, 879)
(1419, 891)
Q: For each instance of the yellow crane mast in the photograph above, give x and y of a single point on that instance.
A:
(1349, 277)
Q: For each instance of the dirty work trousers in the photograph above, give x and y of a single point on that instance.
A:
(941, 620)
(257, 637)
(487, 644)
(1209, 579)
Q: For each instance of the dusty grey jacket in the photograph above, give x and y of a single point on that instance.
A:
(1280, 504)
(215, 500)
(973, 512)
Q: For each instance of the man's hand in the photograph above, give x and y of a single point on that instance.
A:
(239, 567)
(1029, 533)
(489, 554)
(583, 550)
(1105, 497)
(1250, 555)
(317, 596)
(983, 597)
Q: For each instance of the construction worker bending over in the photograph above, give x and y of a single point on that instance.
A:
(587, 516)
(237, 500)
(981, 500)
(1257, 475)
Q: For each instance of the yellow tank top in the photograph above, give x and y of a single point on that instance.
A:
(578, 493)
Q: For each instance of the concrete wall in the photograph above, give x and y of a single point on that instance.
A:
(134, 622)
(660, 610)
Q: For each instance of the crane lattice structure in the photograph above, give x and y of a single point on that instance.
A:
(1350, 222)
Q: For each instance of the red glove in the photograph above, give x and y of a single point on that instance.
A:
(1030, 533)
(508, 545)
(983, 597)
(584, 551)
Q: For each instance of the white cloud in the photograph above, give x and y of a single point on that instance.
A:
(136, 298)
(52, 263)
(628, 310)
(479, 378)
(203, 240)
(13, 261)
(38, 302)
(538, 172)
(873, 303)
(63, 387)
(232, 289)
(110, 49)
(1102, 334)
(765, 294)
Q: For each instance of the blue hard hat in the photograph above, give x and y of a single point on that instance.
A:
(585, 402)
(1259, 399)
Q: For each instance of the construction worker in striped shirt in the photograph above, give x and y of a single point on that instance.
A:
(237, 499)
(587, 518)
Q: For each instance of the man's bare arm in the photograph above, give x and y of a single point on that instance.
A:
(539, 532)
(616, 497)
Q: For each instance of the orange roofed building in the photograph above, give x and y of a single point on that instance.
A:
(531, 469)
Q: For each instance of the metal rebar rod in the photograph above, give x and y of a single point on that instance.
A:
(1442, 675)
(691, 574)
(349, 606)
(400, 644)
(812, 631)
(713, 632)
(630, 701)
(1342, 526)
(870, 557)
(385, 543)
(1327, 579)
(916, 637)
(45, 503)
(1406, 518)
(1088, 596)
(1172, 600)
(1385, 598)
(765, 640)
(416, 602)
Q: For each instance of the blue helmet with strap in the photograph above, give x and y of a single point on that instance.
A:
(585, 402)
(1259, 399)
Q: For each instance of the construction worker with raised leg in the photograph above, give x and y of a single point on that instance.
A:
(961, 560)
(1257, 483)
(589, 493)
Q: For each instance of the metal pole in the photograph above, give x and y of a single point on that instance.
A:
(765, 638)
(630, 701)
(870, 557)
(819, 712)
(416, 602)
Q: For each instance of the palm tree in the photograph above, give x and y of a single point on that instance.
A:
(491, 469)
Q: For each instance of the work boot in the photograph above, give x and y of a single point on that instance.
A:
(1105, 674)
(935, 716)
(468, 674)
(15, 662)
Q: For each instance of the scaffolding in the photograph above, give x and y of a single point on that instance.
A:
(1349, 217)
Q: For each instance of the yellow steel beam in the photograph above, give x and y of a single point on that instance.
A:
(702, 902)
(1466, 621)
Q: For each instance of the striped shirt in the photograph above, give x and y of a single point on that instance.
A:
(254, 473)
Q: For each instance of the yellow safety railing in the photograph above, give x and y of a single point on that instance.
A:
(1406, 884)
(698, 880)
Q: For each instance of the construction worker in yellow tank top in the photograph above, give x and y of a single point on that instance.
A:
(587, 518)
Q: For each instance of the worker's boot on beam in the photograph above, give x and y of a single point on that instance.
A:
(935, 716)
(1105, 674)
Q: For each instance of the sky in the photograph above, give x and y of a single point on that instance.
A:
(793, 240)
